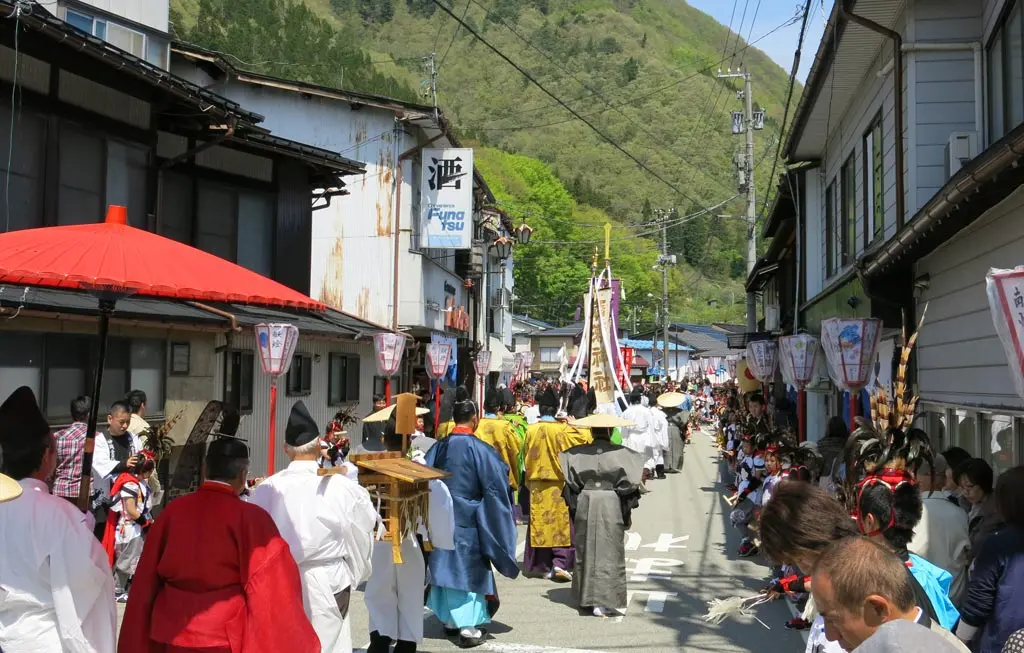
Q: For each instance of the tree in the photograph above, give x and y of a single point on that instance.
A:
(646, 213)
(630, 70)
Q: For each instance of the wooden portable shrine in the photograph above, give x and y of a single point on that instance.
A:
(398, 486)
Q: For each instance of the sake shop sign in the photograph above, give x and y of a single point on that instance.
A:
(446, 198)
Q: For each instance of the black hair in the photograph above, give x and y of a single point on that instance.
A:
(979, 473)
(118, 407)
(956, 456)
(902, 506)
(80, 407)
(1009, 490)
(222, 465)
(135, 399)
(492, 401)
(463, 410)
(378, 398)
(756, 398)
(392, 439)
(23, 455)
(547, 411)
(144, 465)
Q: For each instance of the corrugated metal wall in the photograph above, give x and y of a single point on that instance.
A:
(255, 427)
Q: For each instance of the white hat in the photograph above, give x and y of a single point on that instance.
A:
(9, 488)
(601, 421)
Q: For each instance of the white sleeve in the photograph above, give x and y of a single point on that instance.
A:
(102, 464)
(357, 527)
(442, 517)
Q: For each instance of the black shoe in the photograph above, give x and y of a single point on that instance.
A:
(378, 643)
(472, 642)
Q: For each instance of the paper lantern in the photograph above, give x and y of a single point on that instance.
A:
(849, 345)
(482, 364)
(798, 358)
(389, 348)
(731, 363)
(763, 359)
(275, 344)
(745, 377)
(1006, 301)
(437, 359)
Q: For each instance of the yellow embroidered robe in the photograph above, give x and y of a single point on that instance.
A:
(444, 429)
(549, 516)
(501, 435)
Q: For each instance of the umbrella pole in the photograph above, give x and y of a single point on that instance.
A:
(106, 308)
(273, 421)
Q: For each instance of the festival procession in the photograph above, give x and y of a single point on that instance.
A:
(299, 361)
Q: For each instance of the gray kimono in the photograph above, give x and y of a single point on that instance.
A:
(676, 438)
(602, 482)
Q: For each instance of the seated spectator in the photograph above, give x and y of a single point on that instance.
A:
(859, 585)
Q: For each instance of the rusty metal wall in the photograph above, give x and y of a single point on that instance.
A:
(351, 243)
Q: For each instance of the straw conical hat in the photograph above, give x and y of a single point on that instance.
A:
(9, 488)
(601, 421)
(671, 399)
(384, 414)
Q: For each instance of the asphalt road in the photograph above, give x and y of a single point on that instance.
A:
(681, 553)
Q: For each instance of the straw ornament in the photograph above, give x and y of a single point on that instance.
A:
(721, 609)
(886, 441)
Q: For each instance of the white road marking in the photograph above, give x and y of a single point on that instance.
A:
(500, 647)
(520, 550)
(656, 601)
(653, 568)
(666, 542)
(632, 541)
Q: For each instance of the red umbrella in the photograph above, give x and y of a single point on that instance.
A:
(112, 260)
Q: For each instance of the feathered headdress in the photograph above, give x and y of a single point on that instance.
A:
(885, 449)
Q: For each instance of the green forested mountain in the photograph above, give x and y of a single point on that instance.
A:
(642, 71)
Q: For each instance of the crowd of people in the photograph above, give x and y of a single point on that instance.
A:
(268, 564)
(883, 543)
(871, 531)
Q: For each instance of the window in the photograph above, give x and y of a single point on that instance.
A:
(549, 354)
(126, 180)
(239, 367)
(998, 442)
(342, 379)
(80, 21)
(378, 385)
(935, 425)
(300, 375)
(830, 230)
(24, 184)
(156, 52)
(127, 39)
(237, 225)
(1006, 75)
(874, 181)
(59, 367)
(965, 431)
(848, 235)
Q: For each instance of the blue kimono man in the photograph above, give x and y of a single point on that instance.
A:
(485, 530)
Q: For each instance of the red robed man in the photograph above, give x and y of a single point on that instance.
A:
(215, 574)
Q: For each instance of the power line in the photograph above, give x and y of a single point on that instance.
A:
(454, 36)
(789, 99)
(629, 101)
(589, 124)
(750, 32)
(655, 137)
(739, 32)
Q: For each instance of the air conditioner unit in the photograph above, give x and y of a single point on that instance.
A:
(771, 317)
(961, 148)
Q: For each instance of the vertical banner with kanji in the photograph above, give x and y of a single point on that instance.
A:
(1006, 301)
(602, 375)
(446, 199)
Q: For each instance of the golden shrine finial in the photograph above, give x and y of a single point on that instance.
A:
(593, 264)
(607, 244)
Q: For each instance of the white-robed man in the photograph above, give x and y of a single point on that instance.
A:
(56, 589)
(394, 592)
(640, 436)
(328, 524)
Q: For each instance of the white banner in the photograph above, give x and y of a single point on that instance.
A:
(446, 199)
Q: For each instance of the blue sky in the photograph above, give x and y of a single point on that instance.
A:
(781, 45)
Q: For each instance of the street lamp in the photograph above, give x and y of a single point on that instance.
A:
(523, 233)
(502, 247)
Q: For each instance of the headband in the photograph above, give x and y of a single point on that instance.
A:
(890, 478)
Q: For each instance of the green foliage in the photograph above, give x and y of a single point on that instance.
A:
(630, 70)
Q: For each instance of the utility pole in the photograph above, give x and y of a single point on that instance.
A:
(664, 261)
(432, 82)
(748, 122)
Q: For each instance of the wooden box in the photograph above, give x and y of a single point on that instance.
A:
(401, 489)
